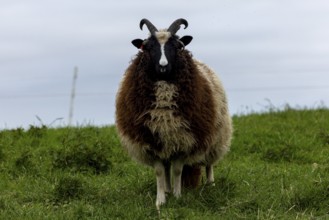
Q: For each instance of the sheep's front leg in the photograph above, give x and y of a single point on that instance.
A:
(210, 174)
(161, 179)
(177, 176)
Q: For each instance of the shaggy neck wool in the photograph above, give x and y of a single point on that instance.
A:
(171, 128)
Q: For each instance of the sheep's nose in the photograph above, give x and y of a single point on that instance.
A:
(163, 69)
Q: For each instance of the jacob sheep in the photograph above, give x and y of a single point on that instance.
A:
(171, 110)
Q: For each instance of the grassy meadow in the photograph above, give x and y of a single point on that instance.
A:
(278, 168)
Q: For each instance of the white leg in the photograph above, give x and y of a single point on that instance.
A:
(177, 176)
(160, 176)
(210, 174)
(167, 173)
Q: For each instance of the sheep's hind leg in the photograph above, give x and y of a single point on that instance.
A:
(177, 176)
(161, 179)
(168, 181)
(210, 175)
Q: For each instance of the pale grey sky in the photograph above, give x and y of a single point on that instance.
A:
(262, 50)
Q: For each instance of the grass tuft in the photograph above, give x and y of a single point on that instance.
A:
(82, 158)
(216, 197)
(36, 132)
(81, 152)
(25, 162)
(249, 207)
(2, 154)
(279, 154)
(312, 199)
(324, 136)
(69, 188)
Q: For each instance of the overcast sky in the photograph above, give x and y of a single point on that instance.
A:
(262, 50)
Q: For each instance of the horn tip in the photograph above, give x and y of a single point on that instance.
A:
(184, 21)
(141, 23)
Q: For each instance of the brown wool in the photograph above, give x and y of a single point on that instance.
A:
(186, 117)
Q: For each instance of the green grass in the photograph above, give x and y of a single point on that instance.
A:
(278, 168)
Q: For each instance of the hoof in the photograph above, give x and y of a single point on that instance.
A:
(159, 202)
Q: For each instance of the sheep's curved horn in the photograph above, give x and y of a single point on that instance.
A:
(174, 27)
(149, 25)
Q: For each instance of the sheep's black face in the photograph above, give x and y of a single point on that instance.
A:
(163, 49)
(162, 53)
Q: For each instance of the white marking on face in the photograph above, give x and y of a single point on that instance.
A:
(163, 36)
(163, 60)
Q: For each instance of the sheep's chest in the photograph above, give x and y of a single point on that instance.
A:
(164, 121)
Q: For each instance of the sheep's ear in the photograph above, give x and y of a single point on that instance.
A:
(138, 43)
(186, 40)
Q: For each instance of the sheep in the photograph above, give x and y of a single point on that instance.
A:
(171, 110)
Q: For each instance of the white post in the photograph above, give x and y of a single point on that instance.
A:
(75, 76)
